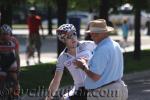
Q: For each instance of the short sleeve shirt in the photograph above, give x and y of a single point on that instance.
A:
(33, 24)
(107, 61)
(84, 49)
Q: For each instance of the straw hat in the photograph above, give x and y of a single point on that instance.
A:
(99, 26)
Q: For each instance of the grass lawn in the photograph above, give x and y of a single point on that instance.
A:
(132, 65)
(41, 75)
(32, 77)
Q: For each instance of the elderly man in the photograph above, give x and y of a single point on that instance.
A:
(105, 67)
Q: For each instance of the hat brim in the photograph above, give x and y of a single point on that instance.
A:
(108, 29)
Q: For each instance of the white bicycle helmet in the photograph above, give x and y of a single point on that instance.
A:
(5, 29)
(64, 30)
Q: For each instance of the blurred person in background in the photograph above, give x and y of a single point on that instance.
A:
(9, 56)
(34, 39)
(148, 27)
(125, 30)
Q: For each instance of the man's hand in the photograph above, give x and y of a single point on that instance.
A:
(81, 63)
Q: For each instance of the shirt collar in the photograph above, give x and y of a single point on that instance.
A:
(65, 50)
(103, 41)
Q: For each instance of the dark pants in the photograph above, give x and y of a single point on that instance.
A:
(81, 94)
(6, 60)
(35, 41)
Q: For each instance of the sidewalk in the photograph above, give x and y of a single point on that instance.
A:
(49, 47)
(48, 50)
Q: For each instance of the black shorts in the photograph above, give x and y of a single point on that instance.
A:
(6, 60)
(81, 94)
(35, 42)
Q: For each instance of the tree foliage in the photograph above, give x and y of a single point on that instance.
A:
(83, 5)
(62, 16)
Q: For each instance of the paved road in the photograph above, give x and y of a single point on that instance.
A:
(138, 85)
(48, 51)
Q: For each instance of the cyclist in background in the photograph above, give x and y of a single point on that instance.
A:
(9, 55)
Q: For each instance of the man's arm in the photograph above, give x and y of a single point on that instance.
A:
(54, 85)
(41, 27)
(92, 75)
(42, 30)
(82, 64)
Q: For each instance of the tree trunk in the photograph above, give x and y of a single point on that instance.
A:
(49, 20)
(6, 14)
(104, 7)
(62, 15)
(137, 41)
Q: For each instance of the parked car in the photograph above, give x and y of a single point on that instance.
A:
(125, 12)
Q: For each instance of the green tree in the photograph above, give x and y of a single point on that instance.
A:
(6, 9)
(87, 5)
(6, 14)
(49, 4)
(61, 15)
(104, 7)
(137, 41)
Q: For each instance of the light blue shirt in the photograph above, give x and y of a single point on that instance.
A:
(107, 61)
